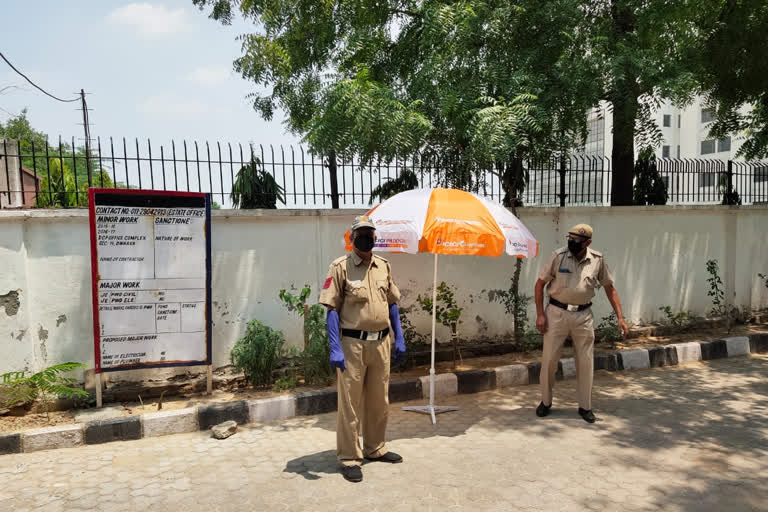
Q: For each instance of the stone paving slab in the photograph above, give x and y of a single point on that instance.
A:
(678, 439)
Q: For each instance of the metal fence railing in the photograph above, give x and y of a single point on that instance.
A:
(41, 174)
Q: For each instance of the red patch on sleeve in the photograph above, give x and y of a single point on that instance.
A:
(327, 283)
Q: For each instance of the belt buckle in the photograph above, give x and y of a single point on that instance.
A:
(573, 307)
(372, 336)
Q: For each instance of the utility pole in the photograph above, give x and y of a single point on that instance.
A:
(87, 128)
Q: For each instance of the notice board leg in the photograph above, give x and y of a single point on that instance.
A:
(98, 390)
(209, 379)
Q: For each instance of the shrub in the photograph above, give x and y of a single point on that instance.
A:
(16, 389)
(315, 358)
(608, 330)
(258, 352)
(679, 320)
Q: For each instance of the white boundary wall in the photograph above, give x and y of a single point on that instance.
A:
(657, 256)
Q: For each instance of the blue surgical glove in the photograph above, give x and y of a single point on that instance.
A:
(394, 319)
(337, 355)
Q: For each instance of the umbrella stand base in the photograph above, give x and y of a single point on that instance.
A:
(431, 409)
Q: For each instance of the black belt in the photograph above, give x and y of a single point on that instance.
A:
(569, 307)
(365, 335)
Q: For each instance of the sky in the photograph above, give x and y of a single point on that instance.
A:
(155, 69)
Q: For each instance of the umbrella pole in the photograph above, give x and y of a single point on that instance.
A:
(432, 409)
(432, 365)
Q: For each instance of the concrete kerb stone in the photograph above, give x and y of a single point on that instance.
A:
(404, 389)
(446, 384)
(688, 352)
(162, 423)
(569, 367)
(309, 403)
(716, 349)
(534, 372)
(511, 375)
(10, 443)
(607, 361)
(758, 343)
(737, 346)
(50, 438)
(662, 356)
(474, 381)
(272, 409)
(637, 359)
(117, 429)
(213, 414)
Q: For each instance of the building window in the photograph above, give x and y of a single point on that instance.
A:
(707, 179)
(707, 147)
(595, 143)
(664, 151)
(724, 145)
(707, 115)
(678, 120)
(667, 120)
(678, 151)
(761, 174)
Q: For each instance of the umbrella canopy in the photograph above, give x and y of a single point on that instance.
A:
(448, 221)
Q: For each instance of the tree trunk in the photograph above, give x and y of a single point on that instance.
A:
(623, 153)
(333, 174)
(513, 182)
(624, 95)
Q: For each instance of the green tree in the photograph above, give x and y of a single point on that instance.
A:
(59, 163)
(18, 128)
(733, 70)
(641, 52)
(60, 191)
(649, 188)
(386, 78)
(255, 188)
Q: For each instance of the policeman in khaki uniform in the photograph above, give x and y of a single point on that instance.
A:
(361, 298)
(572, 273)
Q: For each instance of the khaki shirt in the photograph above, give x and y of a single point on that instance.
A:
(574, 282)
(360, 293)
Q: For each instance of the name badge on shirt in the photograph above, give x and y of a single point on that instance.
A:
(565, 271)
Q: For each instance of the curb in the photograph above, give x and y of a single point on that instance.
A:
(308, 403)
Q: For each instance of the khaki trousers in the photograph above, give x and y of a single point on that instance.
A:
(363, 391)
(579, 325)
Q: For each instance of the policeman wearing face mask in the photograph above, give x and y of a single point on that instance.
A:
(362, 319)
(571, 275)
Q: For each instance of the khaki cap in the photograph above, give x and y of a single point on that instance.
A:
(584, 230)
(363, 221)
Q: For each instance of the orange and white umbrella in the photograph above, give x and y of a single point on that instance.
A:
(446, 221)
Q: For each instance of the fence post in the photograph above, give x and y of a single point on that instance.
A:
(730, 176)
(562, 182)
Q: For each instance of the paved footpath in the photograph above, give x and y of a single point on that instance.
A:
(691, 438)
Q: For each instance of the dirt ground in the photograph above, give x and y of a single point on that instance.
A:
(34, 420)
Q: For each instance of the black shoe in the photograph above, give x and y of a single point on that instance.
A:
(352, 473)
(543, 410)
(587, 415)
(390, 457)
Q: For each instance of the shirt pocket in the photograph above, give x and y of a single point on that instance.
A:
(356, 291)
(590, 279)
(382, 286)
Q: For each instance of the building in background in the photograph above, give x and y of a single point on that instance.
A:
(685, 133)
(18, 185)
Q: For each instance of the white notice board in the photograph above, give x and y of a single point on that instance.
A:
(151, 270)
